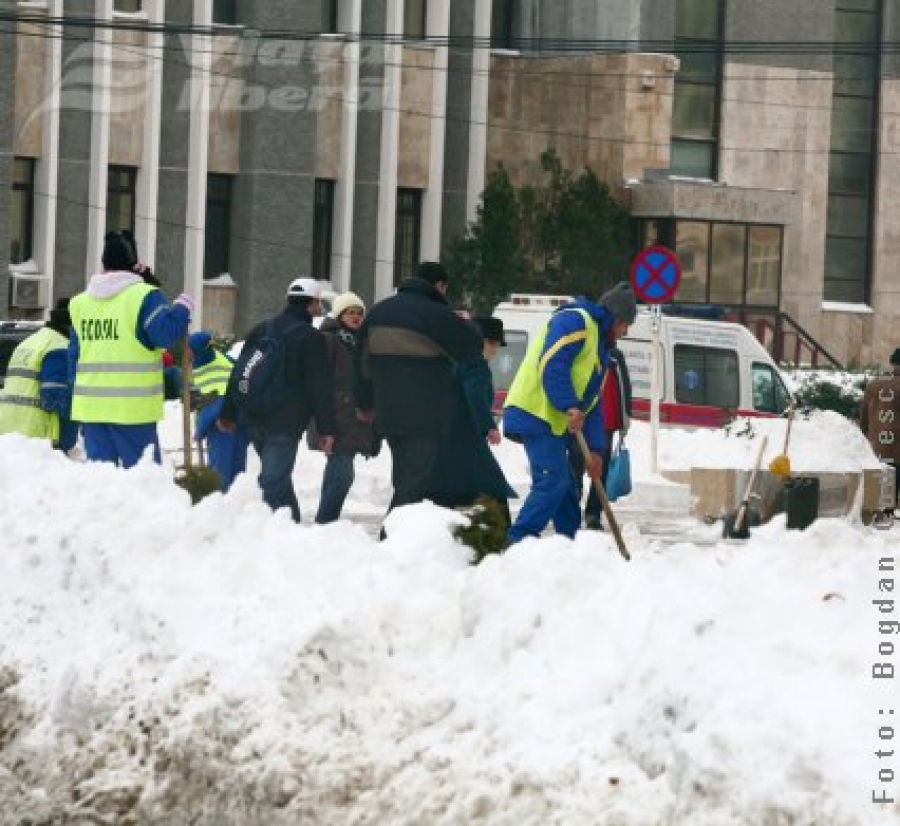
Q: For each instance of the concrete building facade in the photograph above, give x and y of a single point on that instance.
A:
(349, 139)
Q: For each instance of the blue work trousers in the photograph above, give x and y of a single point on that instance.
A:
(120, 444)
(554, 492)
(336, 482)
(277, 455)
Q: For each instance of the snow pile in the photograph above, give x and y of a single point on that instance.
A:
(162, 663)
(821, 441)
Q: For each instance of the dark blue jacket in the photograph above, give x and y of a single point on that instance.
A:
(308, 377)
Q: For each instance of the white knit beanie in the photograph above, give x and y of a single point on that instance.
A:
(344, 302)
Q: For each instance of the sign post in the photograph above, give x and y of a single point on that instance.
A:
(655, 277)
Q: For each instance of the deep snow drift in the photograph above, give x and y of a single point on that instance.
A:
(162, 663)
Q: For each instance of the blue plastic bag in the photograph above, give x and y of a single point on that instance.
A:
(618, 477)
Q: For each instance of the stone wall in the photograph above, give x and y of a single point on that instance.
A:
(611, 113)
(769, 141)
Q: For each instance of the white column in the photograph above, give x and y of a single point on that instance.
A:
(390, 144)
(198, 158)
(439, 27)
(46, 181)
(148, 177)
(100, 106)
(349, 22)
(481, 67)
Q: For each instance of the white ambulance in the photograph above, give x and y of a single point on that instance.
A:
(710, 371)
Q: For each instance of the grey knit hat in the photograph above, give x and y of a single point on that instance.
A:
(621, 302)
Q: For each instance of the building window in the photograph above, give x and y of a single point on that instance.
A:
(216, 253)
(127, 5)
(330, 16)
(854, 136)
(323, 228)
(408, 235)
(120, 198)
(695, 107)
(415, 19)
(21, 216)
(224, 12)
(721, 263)
(503, 14)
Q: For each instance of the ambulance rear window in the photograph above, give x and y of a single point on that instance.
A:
(706, 376)
(505, 364)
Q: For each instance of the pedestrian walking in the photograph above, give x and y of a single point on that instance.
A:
(466, 467)
(210, 371)
(36, 400)
(879, 416)
(280, 381)
(353, 435)
(408, 347)
(120, 323)
(555, 393)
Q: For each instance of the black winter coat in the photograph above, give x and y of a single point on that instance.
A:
(466, 466)
(407, 348)
(352, 436)
(308, 375)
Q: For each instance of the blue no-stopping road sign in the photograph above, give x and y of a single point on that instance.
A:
(655, 275)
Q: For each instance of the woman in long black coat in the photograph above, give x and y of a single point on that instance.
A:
(466, 467)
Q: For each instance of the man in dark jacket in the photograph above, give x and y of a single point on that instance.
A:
(407, 349)
(276, 435)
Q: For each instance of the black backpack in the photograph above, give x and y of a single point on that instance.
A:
(261, 373)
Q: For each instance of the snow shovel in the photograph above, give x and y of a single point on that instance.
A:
(781, 464)
(604, 499)
(737, 528)
(201, 481)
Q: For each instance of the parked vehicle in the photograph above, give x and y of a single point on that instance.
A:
(11, 334)
(710, 371)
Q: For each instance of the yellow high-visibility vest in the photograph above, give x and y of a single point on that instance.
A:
(213, 376)
(527, 390)
(20, 399)
(117, 379)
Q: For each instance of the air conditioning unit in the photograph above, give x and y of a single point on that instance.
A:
(29, 292)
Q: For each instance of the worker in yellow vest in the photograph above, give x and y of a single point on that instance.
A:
(37, 398)
(121, 325)
(556, 393)
(227, 450)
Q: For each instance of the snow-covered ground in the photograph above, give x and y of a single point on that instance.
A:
(217, 664)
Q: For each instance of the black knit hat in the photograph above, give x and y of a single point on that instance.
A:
(895, 357)
(117, 253)
(432, 272)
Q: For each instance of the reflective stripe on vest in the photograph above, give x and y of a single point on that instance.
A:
(213, 377)
(20, 399)
(117, 379)
(527, 390)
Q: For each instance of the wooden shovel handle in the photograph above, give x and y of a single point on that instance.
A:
(186, 404)
(745, 504)
(604, 500)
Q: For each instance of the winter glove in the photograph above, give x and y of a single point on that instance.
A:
(185, 301)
